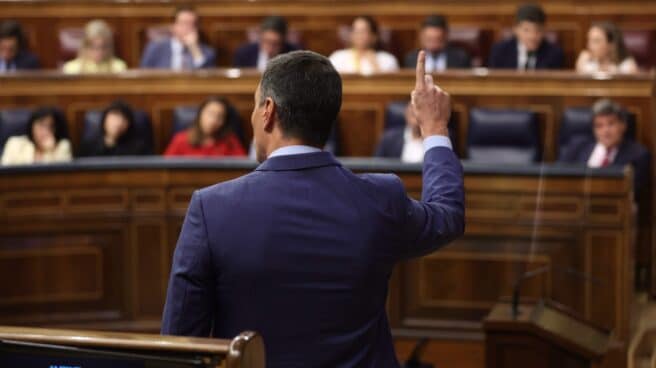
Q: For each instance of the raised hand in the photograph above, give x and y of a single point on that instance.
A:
(431, 104)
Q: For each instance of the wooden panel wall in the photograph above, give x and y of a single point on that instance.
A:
(225, 22)
(97, 248)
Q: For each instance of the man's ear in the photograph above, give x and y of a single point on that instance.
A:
(269, 114)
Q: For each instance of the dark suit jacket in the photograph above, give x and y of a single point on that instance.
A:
(629, 153)
(246, 55)
(504, 55)
(158, 55)
(25, 60)
(391, 145)
(455, 58)
(301, 250)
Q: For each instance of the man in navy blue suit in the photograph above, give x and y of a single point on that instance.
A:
(528, 49)
(610, 146)
(301, 249)
(184, 49)
(14, 54)
(272, 42)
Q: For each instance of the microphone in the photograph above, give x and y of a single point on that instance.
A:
(539, 271)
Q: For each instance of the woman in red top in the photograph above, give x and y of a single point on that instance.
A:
(209, 135)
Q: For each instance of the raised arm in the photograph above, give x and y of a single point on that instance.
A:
(439, 217)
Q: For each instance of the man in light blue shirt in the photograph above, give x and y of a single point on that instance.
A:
(301, 249)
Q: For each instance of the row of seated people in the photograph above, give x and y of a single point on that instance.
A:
(599, 136)
(529, 48)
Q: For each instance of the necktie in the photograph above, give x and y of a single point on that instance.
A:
(530, 56)
(606, 161)
(187, 59)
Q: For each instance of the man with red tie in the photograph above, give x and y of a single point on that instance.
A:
(610, 146)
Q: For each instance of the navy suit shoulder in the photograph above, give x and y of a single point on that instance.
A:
(246, 55)
(27, 60)
(391, 145)
(504, 54)
(577, 150)
(457, 57)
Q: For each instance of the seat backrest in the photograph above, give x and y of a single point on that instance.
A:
(642, 46)
(142, 125)
(473, 40)
(70, 41)
(13, 122)
(183, 117)
(577, 122)
(395, 118)
(503, 136)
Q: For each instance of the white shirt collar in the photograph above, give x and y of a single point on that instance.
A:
(262, 59)
(294, 150)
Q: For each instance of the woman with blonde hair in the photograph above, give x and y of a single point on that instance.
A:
(97, 52)
(606, 51)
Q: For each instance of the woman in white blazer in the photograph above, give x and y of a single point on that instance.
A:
(45, 140)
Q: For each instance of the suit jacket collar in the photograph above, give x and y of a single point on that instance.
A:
(298, 162)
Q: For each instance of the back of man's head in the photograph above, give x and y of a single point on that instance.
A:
(532, 13)
(435, 21)
(307, 92)
(275, 24)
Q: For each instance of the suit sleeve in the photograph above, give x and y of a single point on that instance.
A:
(439, 217)
(148, 56)
(190, 299)
(410, 60)
(558, 58)
(495, 57)
(210, 57)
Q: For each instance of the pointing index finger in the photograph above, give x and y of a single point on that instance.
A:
(421, 70)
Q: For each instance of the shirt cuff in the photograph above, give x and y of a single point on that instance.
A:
(199, 62)
(437, 141)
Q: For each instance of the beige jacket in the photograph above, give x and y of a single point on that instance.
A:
(20, 150)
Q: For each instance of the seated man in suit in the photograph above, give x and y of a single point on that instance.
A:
(184, 49)
(13, 48)
(528, 49)
(404, 143)
(272, 42)
(301, 250)
(434, 39)
(610, 146)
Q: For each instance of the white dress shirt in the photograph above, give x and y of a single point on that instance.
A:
(435, 63)
(599, 153)
(177, 56)
(413, 148)
(344, 61)
(262, 60)
(522, 57)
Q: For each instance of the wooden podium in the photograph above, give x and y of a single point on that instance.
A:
(542, 336)
(39, 347)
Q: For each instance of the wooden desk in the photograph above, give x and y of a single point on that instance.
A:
(225, 22)
(89, 244)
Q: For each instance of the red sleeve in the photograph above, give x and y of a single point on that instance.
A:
(177, 145)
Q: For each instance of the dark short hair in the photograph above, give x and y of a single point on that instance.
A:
(531, 13)
(125, 110)
(607, 106)
(307, 92)
(60, 126)
(276, 24)
(435, 21)
(13, 29)
(185, 8)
